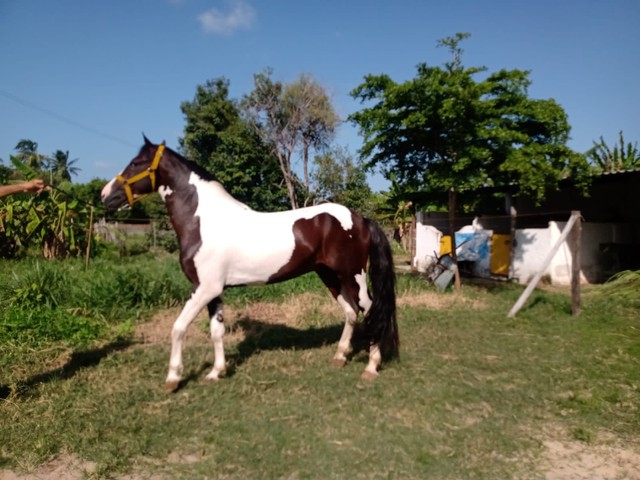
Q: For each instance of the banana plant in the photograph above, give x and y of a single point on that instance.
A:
(52, 221)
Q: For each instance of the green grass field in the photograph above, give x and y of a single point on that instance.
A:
(474, 395)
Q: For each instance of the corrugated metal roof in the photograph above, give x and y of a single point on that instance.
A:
(618, 172)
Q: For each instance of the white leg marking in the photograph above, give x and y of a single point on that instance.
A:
(197, 302)
(375, 358)
(340, 358)
(217, 332)
(364, 300)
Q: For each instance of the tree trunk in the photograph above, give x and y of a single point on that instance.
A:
(285, 168)
(453, 200)
(305, 164)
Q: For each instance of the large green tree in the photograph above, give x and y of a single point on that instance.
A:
(453, 129)
(220, 140)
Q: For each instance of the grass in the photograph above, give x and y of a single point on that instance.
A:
(474, 394)
(62, 301)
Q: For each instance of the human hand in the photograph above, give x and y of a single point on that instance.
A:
(36, 185)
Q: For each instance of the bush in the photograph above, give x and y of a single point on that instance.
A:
(60, 300)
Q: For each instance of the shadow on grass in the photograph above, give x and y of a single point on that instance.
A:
(557, 303)
(263, 336)
(78, 361)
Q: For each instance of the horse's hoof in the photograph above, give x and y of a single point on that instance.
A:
(369, 376)
(338, 362)
(171, 386)
(213, 378)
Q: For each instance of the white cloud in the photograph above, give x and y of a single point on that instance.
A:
(239, 15)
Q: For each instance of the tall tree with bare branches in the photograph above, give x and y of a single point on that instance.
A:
(294, 119)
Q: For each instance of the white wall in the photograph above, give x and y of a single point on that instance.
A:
(427, 245)
(533, 244)
(532, 247)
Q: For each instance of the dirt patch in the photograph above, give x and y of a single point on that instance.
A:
(607, 459)
(290, 312)
(63, 467)
(439, 301)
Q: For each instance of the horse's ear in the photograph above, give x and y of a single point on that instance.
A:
(164, 143)
(146, 140)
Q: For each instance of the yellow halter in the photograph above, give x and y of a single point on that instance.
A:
(149, 172)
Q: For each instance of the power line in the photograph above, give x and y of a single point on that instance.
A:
(26, 103)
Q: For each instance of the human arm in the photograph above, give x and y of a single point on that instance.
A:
(28, 186)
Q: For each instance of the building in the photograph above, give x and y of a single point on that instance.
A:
(610, 240)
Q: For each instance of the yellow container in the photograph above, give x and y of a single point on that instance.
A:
(500, 254)
(445, 245)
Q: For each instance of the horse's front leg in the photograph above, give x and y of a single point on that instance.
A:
(199, 298)
(217, 332)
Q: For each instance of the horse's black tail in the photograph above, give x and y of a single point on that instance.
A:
(380, 323)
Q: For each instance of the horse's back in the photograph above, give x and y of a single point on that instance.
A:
(267, 247)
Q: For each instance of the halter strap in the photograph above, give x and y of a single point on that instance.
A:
(149, 172)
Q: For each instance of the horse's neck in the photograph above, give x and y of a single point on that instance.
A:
(187, 195)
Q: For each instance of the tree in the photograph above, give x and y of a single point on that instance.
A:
(446, 131)
(60, 166)
(220, 140)
(338, 177)
(294, 118)
(623, 156)
(311, 111)
(5, 173)
(28, 154)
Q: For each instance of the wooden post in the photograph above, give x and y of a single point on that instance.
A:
(575, 215)
(513, 244)
(574, 245)
(452, 230)
(413, 240)
(89, 237)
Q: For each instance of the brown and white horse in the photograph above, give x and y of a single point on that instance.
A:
(224, 243)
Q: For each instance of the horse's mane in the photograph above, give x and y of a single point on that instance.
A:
(194, 167)
(191, 165)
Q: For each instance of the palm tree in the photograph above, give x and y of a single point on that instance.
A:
(61, 167)
(622, 157)
(28, 154)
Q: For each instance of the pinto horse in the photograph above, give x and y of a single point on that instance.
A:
(224, 243)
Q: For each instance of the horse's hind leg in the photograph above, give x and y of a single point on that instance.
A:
(340, 358)
(353, 297)
(356, 293)
(217, 332)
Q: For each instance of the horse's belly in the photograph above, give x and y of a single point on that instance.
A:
(254, 271)
(246, 262)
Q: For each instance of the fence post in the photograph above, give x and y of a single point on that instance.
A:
(574, 246)
(89, 237)
(512, 248)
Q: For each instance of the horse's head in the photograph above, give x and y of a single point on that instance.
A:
(137, 180)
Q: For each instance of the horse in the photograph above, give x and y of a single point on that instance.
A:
(224, 243)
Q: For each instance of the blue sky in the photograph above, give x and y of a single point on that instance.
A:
(90, 76)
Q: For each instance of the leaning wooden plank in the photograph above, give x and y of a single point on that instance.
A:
(534, 281)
